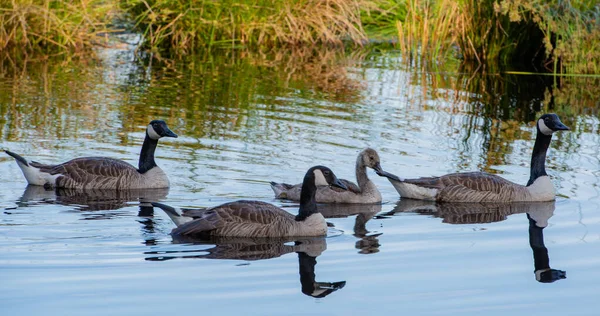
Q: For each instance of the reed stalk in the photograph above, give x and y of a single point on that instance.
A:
(52, 26)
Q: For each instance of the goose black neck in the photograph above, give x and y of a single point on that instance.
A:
(538, 157)
(147, 154)
(308, 204)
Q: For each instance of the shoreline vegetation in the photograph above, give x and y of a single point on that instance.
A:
(559, 37)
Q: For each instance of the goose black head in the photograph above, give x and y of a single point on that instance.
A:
(550, 123)
(158, 128)
(324, 176)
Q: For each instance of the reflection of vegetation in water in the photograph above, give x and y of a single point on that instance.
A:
(220, 92)
(498, 105)
(215, 93)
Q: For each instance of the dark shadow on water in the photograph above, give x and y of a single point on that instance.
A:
(252, 249)
(538, 214)
(93, 200)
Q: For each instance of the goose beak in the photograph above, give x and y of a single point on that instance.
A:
(169, 133)
(378, 168)
(388, 175)
(339, 184)
(559, 126)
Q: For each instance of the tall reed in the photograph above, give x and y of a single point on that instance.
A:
(557, 36)
(52, 26)
(181, 25)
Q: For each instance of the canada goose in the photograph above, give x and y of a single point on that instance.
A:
(485, 187)
(103, 172)
(364, 192)
(258, 219)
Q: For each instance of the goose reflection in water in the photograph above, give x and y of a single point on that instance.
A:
(368, 242)
(538, 214)
(252, 249)
(93, 199)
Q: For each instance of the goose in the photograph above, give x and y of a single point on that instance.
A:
(485, 187)
(365, 192)
(102, 172)
(246, 218)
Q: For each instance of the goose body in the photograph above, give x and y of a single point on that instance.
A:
(485, 187)
(102, 172)
(255, 218)
(365, 192)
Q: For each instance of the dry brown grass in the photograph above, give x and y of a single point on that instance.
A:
(52, 26)
(180, 26)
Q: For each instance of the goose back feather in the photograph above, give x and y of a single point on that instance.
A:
(246, 218)
(251, 219)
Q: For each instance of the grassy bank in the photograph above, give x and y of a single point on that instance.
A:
(45, 27)
(182, 26)
(556, 36)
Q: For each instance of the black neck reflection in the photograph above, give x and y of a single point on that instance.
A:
(541, 261)
(538, 214)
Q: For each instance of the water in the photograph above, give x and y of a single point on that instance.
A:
(244, 122)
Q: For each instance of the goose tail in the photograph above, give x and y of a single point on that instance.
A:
(20, 160)
(33, 172)
(280, 189)
(175, 214)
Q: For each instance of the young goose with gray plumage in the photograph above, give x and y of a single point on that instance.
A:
(365, 192)
(257, 219)
(103, 172)
(485, 187)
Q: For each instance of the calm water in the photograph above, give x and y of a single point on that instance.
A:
(243, 123)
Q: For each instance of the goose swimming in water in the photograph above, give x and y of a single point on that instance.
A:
(365, 192)
(103, 172)
(485, 187)
(257, 219)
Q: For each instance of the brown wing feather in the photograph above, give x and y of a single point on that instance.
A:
(292, 192)
(349, 184)
(470, 186)
(479, 181)
(89, 170)
(228, 214)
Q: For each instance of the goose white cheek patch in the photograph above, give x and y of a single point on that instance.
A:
(544, 128)
(152, 133)
(319, 178)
